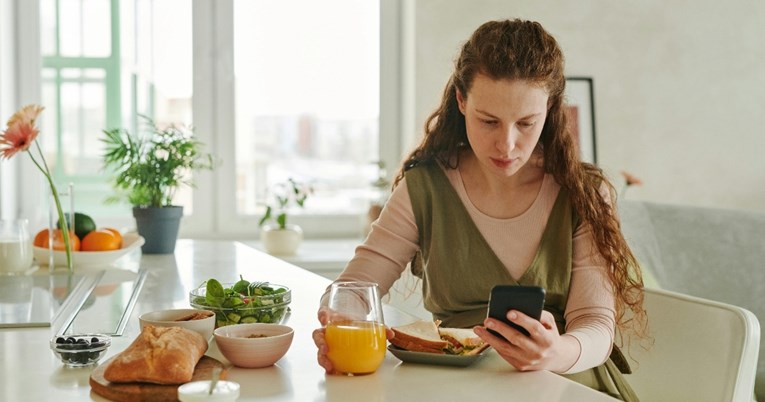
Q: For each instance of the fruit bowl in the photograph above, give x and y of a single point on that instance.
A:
(80, 350)
(271, 307)
(130, 241)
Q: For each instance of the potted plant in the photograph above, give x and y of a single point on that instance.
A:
(148, 168)
(278, 236)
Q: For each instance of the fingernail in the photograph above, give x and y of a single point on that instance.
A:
(512, 315)
(490, 324)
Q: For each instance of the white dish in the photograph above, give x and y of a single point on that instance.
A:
(170, 318)
(130, 242)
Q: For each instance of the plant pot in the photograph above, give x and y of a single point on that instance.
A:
(159, 227)
(279, 241)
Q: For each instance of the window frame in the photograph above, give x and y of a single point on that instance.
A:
(214, 35)
(212, 107)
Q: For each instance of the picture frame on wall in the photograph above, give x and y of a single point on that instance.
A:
(580, 111)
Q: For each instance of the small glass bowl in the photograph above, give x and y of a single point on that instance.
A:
(81, 349)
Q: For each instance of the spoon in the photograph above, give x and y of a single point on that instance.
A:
(215, 377)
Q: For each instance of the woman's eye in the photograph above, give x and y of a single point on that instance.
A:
(489, 122)
(526, 123)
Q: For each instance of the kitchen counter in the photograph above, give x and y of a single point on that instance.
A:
(30, 371)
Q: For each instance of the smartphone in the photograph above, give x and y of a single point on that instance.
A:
(529, 300)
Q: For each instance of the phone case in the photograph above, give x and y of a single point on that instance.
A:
(529, 300)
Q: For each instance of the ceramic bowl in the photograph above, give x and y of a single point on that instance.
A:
(79, 350)
(269, 308)
(202, 322)
(91, 259)
(253, 345)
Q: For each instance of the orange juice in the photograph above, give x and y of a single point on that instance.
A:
(356, 347)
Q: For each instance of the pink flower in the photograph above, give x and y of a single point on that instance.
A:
(632, 179)
(27, 114)
(17, 138)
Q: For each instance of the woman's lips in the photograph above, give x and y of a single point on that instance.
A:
(502, 163)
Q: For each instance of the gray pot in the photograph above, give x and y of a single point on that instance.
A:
(159, 226)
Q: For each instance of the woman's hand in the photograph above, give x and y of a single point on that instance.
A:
(321, 342)
(544, 349)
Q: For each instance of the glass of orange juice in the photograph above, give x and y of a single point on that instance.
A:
(355, 332)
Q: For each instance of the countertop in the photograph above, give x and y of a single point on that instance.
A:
(30, 371)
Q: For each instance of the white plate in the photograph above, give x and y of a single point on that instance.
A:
(130, 242)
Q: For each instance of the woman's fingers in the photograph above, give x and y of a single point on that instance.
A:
(323, 349)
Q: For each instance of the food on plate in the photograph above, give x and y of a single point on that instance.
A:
(159, 355)
(83, 224)
(100, 240)
(84, 236)
(427, 336)
(195, 316)
(243, 302)
(42, 238)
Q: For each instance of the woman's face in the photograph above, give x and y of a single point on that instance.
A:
(504, 120)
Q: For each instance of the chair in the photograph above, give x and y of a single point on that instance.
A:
(703, 350)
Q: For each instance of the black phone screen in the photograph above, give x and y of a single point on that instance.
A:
(529, 300)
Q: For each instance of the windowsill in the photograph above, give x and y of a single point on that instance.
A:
(329, 257)
(326, 257)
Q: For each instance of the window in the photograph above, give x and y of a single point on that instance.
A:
(276, 89)
(306, 109)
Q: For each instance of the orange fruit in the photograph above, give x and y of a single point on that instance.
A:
(41, 240)
(116, 233)
(100, 240)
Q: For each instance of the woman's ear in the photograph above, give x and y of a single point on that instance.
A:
(460, 100)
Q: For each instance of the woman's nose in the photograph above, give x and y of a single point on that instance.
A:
(507, 139)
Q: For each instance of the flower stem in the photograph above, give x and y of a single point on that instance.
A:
(61, 220)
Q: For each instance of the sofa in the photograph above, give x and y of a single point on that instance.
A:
(711, 253)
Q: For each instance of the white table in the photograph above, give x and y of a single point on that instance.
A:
(30, 372)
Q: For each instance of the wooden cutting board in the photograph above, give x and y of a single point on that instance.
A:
(136, 391)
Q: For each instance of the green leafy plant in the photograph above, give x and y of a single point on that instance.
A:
(285, 195)
(150, 167)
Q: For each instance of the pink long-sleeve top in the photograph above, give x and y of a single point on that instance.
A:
(590, 314)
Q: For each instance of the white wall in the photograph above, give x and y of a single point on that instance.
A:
(8, 170)
(679, 86)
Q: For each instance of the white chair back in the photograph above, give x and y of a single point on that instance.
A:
(703, 351)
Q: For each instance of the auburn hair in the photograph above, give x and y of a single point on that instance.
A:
(523, 50)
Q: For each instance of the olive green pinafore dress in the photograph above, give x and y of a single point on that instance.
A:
(458, 268)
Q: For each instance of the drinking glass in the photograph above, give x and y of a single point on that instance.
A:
(355, 332)
(15, 247)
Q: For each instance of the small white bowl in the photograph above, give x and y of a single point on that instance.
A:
(174, 318)
(237, 344)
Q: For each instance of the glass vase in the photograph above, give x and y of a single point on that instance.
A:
(61, 206)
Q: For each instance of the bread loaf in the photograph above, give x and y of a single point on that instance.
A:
(165, 355)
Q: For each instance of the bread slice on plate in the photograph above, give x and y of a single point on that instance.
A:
(426, 336)
(419, 336)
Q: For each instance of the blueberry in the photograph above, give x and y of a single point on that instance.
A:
(82, 341)
(60, 340)
(93, 339)
(71, 340)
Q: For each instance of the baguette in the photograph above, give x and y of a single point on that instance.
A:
(159, 355)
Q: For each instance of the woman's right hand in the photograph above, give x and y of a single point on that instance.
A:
(321, 342)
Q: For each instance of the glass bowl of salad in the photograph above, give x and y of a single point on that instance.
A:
(243, 302)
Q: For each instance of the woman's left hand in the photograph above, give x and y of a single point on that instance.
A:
(542, 350)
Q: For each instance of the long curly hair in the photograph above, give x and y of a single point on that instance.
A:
(523, 50)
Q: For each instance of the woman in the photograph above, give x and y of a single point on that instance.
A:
(496, 194)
